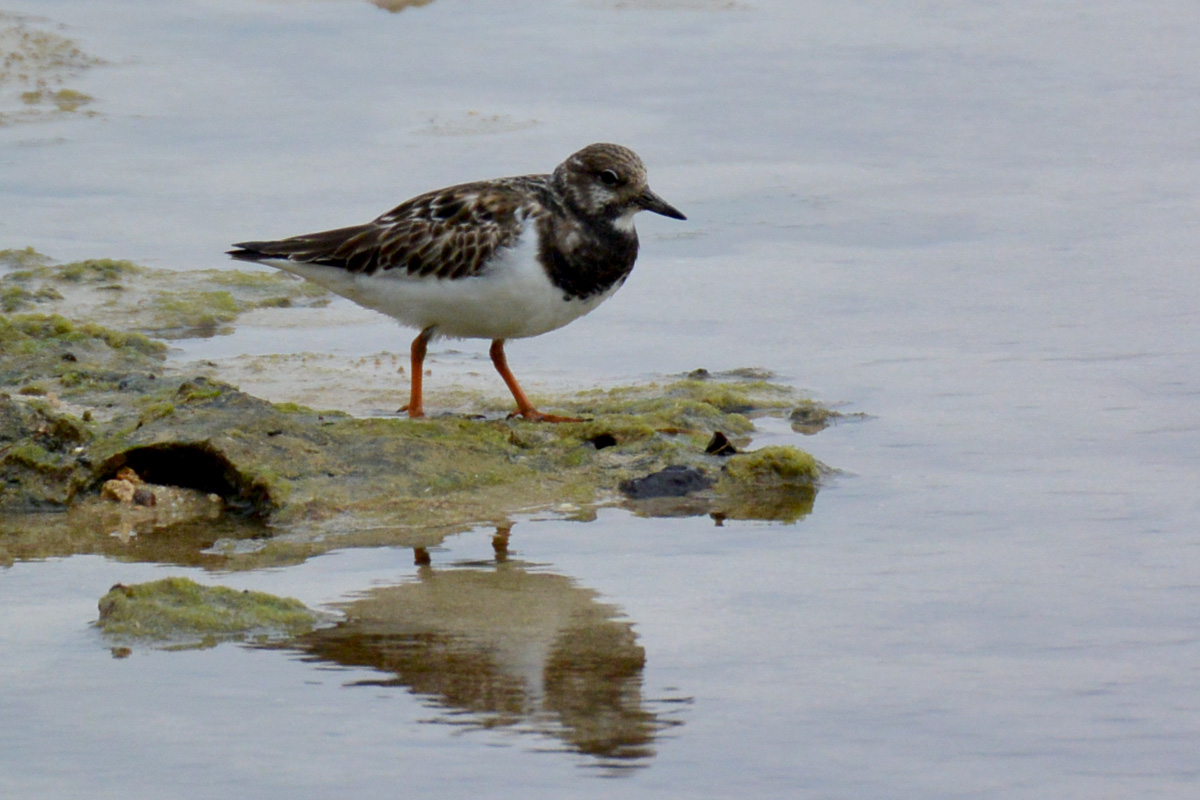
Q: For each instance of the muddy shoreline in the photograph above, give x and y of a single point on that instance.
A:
(81, 402)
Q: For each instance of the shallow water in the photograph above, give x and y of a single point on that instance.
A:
(974, 224)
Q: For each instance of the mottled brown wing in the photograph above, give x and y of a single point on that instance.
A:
(449, 233)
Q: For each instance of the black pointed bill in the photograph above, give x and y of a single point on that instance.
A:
(652, 202)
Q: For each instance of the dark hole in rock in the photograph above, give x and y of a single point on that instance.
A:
(194, 467)
(603, 440)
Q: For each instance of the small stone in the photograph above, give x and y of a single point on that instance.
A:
(127, 474)
(810, 419)
(119, 490)
(674, 481)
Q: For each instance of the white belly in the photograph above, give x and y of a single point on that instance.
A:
(511, 299)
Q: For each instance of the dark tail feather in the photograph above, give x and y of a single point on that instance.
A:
(328, 248)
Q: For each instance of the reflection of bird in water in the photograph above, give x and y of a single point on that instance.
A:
(516, 648)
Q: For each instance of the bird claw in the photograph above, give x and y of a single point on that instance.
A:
(533, 415)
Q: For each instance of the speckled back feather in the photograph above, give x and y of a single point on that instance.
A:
(582, 214)
(447, 233)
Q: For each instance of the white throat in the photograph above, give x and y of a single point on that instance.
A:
(624, 222)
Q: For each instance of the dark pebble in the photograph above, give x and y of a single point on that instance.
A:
(674, 481)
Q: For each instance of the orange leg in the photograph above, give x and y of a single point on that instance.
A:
(524, 407)
(419, 345)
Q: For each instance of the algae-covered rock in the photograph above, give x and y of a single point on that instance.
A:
(329, 479)
(169, 304)
(41, 455)
(774, 483)
(181, 611)
(302, 466)
(81, 401)
(769, 468)
(53, 354)
(778, 482)
(810, 417)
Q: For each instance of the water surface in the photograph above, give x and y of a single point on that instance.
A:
(973, 223)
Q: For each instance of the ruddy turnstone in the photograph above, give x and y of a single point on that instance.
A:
(501, 259)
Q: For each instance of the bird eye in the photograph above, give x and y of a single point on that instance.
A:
(609, 178)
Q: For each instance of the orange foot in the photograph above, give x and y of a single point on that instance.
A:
(533, 415)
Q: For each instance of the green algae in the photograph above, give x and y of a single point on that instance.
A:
(266, 282)
(72, 359)
(37, 331)
(293, 408)
(63, 99)
(25, 258)
(35, 63)
(777, 483)
(167, 304)
(183, 312)
(16, 298)
(156, 410)
(771, 466)
(195, 312)
(179, 610)
(396, 6)
(95, 270)
(29, 265)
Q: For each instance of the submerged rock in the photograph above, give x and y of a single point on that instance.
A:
(778, 482)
